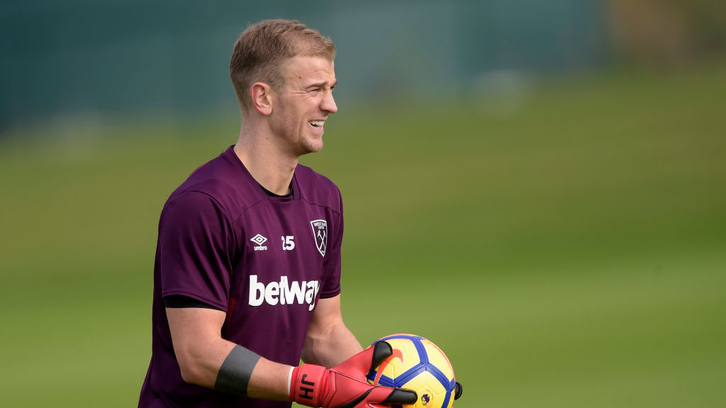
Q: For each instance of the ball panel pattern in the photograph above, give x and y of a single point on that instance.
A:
(419, 365)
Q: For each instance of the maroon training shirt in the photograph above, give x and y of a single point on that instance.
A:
(264, 260)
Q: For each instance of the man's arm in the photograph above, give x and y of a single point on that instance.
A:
(328, 341)
(201, 351)
(204, 357)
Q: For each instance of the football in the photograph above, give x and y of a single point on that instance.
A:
(419, 365)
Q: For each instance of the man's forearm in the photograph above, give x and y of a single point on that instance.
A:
(244, 372)
(208, 360)
(330, 347)
(270, 380)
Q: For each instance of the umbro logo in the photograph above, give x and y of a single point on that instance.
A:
(259, 240)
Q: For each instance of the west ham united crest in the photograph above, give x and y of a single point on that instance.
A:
(320, 232)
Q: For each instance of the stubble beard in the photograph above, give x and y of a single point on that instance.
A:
(297, 143)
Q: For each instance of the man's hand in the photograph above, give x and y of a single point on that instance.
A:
(345, 385)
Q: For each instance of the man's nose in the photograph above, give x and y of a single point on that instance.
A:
(328, 104)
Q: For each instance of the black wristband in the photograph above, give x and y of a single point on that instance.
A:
(236, 370)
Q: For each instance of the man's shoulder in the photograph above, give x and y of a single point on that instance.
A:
(222, 180)
(310, 176)
(317, 189)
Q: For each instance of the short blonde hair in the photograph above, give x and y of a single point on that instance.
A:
(262, 49)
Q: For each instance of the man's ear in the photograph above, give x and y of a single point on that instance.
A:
(261, 95)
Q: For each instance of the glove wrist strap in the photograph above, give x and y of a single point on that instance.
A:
(308, 385)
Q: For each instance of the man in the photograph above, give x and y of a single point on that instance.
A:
(247, 269)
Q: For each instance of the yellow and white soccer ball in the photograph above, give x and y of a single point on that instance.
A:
(419, 365)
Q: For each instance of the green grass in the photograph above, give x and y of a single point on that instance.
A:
(568, 253)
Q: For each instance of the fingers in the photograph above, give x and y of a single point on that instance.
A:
(367, 360)
(401, 396)
(381, 351)
(385, 396)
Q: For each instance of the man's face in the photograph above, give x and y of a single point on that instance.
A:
(301, 108)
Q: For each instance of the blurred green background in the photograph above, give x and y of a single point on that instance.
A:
(558, 228)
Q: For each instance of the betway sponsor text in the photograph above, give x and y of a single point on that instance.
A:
(283, 292)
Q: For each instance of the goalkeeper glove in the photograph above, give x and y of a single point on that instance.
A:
(345, 385)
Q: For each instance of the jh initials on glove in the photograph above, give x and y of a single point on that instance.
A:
(345, 385)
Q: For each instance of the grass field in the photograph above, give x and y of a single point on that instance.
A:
(569, 253)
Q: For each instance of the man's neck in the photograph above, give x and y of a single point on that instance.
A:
(271, 168)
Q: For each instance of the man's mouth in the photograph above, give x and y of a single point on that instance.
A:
(317, 123)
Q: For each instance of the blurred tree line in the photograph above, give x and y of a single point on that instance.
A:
(77, 62)
(667, 33)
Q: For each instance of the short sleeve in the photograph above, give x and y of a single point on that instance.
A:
(332, 265)
(195, 241)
